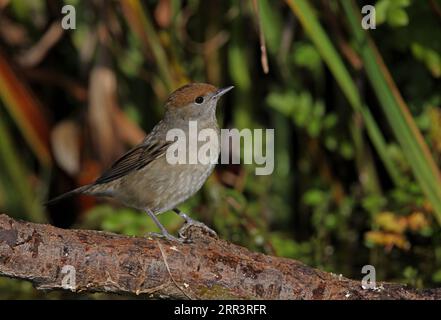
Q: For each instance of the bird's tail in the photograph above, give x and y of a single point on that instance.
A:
(82, 189)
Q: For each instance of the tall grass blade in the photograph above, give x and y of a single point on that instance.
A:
(304, 12)
(15, 179)
(397, 113)
(26, 112)
(140, 23)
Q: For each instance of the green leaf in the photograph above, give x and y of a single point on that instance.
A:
(314, 197)
(397, 18)
(429, 57)
(306, 55)
(238, 67)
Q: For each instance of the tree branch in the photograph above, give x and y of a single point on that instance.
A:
(207, 268)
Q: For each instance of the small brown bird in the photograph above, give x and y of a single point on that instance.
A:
(144, 179)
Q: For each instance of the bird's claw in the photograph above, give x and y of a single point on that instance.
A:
(190, 223)
(166, 236)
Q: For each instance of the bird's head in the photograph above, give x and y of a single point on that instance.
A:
(194, 101)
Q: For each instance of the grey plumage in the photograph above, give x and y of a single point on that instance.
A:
(142, 178)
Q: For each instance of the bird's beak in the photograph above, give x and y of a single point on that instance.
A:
(222, 91)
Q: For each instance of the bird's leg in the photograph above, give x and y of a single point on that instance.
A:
(164, 233)
(190, 222)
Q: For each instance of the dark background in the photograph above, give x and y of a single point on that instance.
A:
(72, 101)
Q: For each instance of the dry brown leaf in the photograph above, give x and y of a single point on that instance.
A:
(163, 13)
(388, 221)
(387, 239)
(36, 54)
(102, 103)
(417, 221)
(65, 140)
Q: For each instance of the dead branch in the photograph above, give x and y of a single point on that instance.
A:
(207, 268)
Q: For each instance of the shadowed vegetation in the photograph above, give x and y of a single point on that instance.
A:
(356, 115)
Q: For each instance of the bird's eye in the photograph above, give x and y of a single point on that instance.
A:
(199, 100)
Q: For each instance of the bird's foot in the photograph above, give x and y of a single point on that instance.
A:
(183, 231)
(164, 233)
(166, 236)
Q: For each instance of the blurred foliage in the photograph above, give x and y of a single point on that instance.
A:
(343, 193)
(393, 12)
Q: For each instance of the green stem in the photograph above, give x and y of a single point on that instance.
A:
(310, 23)
(397, 113)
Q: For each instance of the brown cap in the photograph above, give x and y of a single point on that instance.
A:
(188, 93)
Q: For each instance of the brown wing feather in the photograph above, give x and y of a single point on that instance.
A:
(135, 159)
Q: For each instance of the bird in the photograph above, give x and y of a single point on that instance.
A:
(144, 179)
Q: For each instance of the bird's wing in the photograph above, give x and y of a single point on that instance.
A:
(135, 159)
